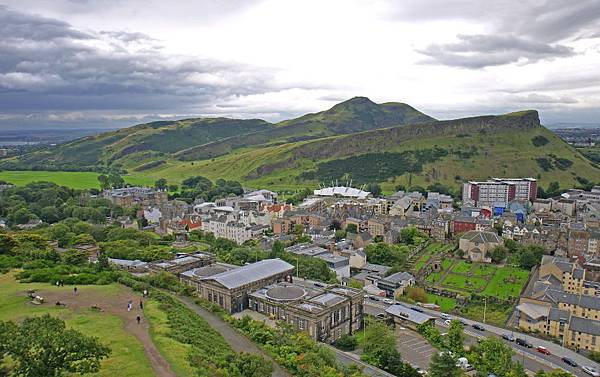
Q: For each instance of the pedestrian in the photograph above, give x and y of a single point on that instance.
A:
(138, 319)
(129, 307)
(145, 293)
(141, 305)
(62, 283)
(57, 283)
(75, 290)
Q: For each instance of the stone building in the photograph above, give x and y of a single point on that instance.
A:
(325, 313)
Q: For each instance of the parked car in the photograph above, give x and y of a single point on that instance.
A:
(544, 350)
(388, 301)
(417, 309)
(523, 343)
(477, 326)
(508, 337)
(381, 315)
(447, 322)
(374, 298)
(570, 362)
(591, 371)
(463, 323)
(446, 316)
(463, 363)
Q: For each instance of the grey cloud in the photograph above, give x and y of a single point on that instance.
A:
(478, 51)
(546, 20)
(536, 98)
(47, 66)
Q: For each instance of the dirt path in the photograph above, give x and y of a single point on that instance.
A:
(115, 305)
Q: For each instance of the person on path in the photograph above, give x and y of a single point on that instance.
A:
(138, 318)
(145, 293)
(75, 290)
(141, 305)
(129, 307)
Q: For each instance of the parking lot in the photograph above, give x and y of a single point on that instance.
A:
(414, 348)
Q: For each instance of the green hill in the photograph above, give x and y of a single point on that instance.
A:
(358, 140)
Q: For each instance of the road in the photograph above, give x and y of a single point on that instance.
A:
(531, 359)
(349, 358)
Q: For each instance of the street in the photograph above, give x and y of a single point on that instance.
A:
(530, 357)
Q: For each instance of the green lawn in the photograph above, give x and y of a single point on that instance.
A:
(434, 277)
(470, 284)
(77, 180)
(507, 282)
(446, 263)
(462, 267)
(421, 262)
(127, 358)
(447, 304)
(483, 270)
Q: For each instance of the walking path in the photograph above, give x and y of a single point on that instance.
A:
(237, 341)
(117, 306)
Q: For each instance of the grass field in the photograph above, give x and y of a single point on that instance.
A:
(507, 282)
(469, 284)
(127, 358)
(461, 267)
(446, 304)
(77, 180)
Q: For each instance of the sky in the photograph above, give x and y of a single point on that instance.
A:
(115, 63)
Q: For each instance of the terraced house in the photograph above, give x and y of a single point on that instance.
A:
(563, 304)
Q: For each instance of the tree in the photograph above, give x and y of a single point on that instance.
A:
(346, 343)
(554, 373)
(161, 184)
(443, 364)
(493, 356)
(104, 182)
(43, 346)
(498, 254)
(74, 257)
(351, 228)
(7, 243)
(455, 338)
(249, 365)
(374, 189)
(277, 249)
(298, 230)
(116, 181)
(417, 294)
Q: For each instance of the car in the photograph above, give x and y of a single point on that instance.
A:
(478, 327)
(508, 337)
(463, 323)
(570, 362)
(446, 316)
(381, 315)
(447, 322)
(591, 371)
(388, 301)
(544, 350)
(417, 309)
(373, 298)
(523, 343)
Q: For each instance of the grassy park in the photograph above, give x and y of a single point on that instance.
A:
(127, 358)
(77, 180)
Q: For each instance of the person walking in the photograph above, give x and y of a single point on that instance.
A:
(141, 305)
(75, 290)
(129, 306)
(138, 318)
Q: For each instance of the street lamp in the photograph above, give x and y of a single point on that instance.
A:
(484, 308)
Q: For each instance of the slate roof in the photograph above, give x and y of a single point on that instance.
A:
(399, 277)
(482, 236)
(584, 325)
(251, 273)
(408, 314)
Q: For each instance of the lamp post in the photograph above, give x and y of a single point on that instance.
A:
(484, 308)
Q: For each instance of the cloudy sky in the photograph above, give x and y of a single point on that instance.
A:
(110, 63)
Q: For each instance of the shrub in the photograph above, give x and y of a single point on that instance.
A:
(539, 141)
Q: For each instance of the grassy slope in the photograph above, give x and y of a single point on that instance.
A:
(127, 358)
(503, 154)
